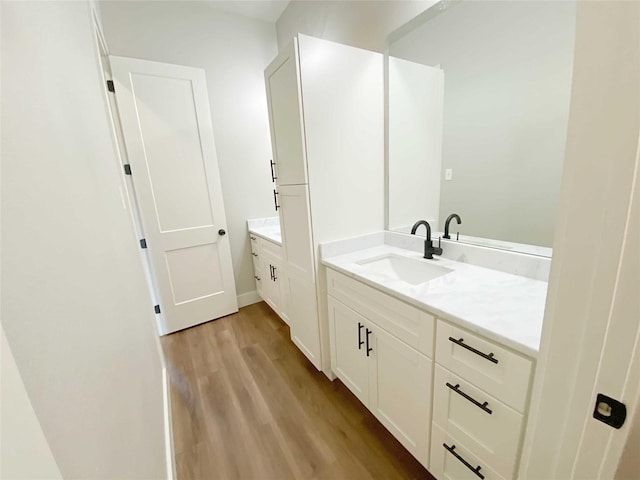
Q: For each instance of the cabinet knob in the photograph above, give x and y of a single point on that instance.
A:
(222, 232)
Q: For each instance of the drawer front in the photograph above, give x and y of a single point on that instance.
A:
(272, 249)
(255, 243)
(450, 460)
(491, 431)
(409, 324)
(494, 369)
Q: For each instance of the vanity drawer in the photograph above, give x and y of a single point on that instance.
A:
(492, 431)
(255, 242)
(272, 249)
(409, 324)
(496, 370)
(451, 460)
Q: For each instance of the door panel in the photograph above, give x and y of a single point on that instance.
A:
(348, 356)
(400, 394)
(295, 224)
(285, 114)
(303, 318)
(166, 124)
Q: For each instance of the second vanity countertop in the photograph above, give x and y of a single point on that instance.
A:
(501, 306)
(267, 228)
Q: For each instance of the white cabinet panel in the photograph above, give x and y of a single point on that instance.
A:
(348, 357)
(400, 395)
(303, 317)
(500, 372)
(282, 80)
(492, 429)
(271, 279)
(412, 326)
(452, 461)
(295, 226)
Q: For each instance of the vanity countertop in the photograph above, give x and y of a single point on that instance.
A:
(267, 228)
(501, 306)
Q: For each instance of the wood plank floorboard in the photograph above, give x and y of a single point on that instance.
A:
(246, 404)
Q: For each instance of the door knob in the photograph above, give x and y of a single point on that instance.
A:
(222, 232)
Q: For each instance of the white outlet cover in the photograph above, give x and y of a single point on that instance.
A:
(448, 174)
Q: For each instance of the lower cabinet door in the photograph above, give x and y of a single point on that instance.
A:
(400, 391)
(348, 356)
(302, 312)
(451, 460)
(270, 282)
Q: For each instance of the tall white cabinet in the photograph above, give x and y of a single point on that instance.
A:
(326, 112)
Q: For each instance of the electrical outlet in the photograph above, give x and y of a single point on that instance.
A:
(448, 174)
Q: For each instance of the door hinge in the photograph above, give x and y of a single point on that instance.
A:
(157, 308)
(143, 243)
(127, 169)
(110, 86)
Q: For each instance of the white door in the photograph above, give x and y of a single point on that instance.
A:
(166, 124)
(348, 355)
(282, 81)
(299, 270)
(400, 395)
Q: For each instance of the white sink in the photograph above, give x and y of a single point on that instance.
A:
(409, 270)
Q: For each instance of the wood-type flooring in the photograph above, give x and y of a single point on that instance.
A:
(246, 404)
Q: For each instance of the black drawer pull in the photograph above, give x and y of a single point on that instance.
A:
(369, 349)
(274, 274)
(360, 341)
(275, 200)
(471, 349)
(483, 406)
(451, 450)
(273, 175)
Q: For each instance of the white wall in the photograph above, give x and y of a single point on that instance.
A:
(24, 451)
(507, 69)
(364, 24)
(75, 307)
(234, 52)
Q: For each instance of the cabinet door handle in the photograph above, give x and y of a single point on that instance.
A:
(460, 342)
(274, 274)
(271, 271)
(482, 406)
(273, 175)
(451, 450)
(369, 349)
(360, 341)
(275, 199)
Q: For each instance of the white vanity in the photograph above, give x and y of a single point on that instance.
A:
(445, 364)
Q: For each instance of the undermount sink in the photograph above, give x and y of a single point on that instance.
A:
(408, 270)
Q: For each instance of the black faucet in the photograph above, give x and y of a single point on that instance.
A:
(446, 224)
(429, 249)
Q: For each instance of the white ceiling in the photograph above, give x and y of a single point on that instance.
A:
(267, 10)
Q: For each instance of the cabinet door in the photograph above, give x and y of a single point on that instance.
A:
(270, 281)
(295, 226)
(400, 393)
(348, 355)
(302, 310)
(282, 80)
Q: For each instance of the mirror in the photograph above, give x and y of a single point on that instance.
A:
(478, 107)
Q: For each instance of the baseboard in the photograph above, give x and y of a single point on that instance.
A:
(248, 298)
(168, 427)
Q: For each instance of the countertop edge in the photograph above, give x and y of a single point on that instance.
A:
(472, 327)
(265, 236)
